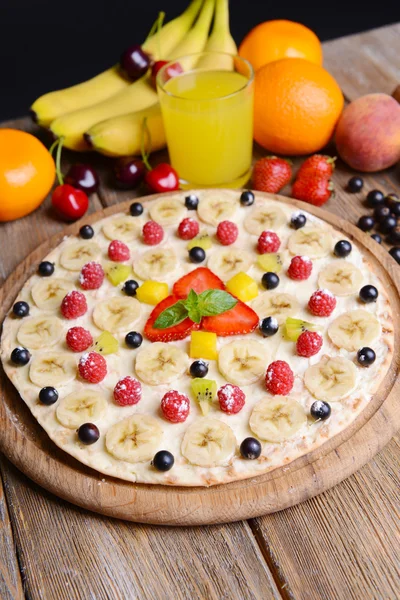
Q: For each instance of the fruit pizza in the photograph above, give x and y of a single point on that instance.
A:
(199, 338)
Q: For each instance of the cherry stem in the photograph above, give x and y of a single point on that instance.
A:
(58, 144)
(145, 155)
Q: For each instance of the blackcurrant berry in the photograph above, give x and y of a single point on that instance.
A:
(88, 433)
(130, 287)
(133, 339)
(136, 209)
(46, 268)
(342, 248)
(199, 368)
(381, 212)
(377, 238)
(395, 253)
(387, 224)
(298, 220)
(375, 198)
(163, 460)
(86, 232)
(20, 356)
(368, 294)
(366, 356)
(191, 202)
(270, 280)
(394, 235)
(355, 184)
(21, 309)
(247, 198)
(366, 223)
(48, 396)
(320, 410)
(197, 254)
(250, 448)
(392, 201)
(268, 326)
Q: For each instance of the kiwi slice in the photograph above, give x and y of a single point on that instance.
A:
(200, 241)
(294, 327)
(205, 392)
(106, 343)
(117, 273)
(270, 263)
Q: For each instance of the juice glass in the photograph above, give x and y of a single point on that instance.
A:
(207, 106)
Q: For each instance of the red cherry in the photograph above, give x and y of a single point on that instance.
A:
(163, 178)
(172, 71)
(69, 202)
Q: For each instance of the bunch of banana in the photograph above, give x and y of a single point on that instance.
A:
(107, 112)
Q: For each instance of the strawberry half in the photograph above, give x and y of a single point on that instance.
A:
(199, 280)
(238, 320)
(177, 332)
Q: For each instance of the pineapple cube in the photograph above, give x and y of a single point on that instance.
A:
(243, 287)
(203, 345)
(152, 292)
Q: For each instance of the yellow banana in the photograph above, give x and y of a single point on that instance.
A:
(52, 105)
(121, 136)
(136, 96)
(220, 40)
(196, 39)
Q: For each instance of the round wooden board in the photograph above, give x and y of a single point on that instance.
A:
(27, 445)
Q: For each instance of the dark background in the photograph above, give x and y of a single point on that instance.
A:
(46, 45)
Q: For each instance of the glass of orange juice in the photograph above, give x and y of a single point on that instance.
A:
(207, 106)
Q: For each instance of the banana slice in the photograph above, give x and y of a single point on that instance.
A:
(48, 294)
(208, 443)
(228, 262)
(134, 439)
(312, 242)
(168, 211)
(342, 278)
(277, 419)
(216, 208)
(116, 314)
(85, 406)
(331, 379)
(40, 332)
(155, 264)
(75, 255)
(264, 217)
(161, 363)
(354, 329)
(243, 362)
(275, 304)
(123, 228)
(52, 368)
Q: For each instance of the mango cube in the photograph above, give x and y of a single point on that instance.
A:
(203, 345)
(152, 292)
(243, 287)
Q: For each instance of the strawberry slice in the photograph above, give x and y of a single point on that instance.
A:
(177, 332)
(199, 280)
(238, 320)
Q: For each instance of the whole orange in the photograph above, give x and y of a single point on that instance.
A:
(296, 106)
(27, 173)
(278, 39)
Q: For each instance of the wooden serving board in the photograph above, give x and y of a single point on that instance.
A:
(27, 445)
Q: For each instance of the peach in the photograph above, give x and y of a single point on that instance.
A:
(368, 133)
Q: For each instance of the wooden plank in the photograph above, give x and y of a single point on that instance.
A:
(10, 578)
(69, 554)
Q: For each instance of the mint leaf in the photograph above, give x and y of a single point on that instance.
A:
(173, 315)
(192, 300)
(194, 314)
(215, 302)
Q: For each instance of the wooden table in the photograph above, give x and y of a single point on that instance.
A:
(343, 544)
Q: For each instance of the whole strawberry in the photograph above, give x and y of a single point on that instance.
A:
(318, 166)
(271, 174)
(314, 190)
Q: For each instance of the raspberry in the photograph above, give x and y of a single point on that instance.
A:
(73, 305)
(153, 233)
(118, 251)
(188, 229)
(268, 242)
(78, 339)
(300, 268)
(308, 343)
(92, 367)
(322, 303)
(279, 378)
(227, 233)
(175, 406)
(231, 398)
(127, 391)
(92, 276)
